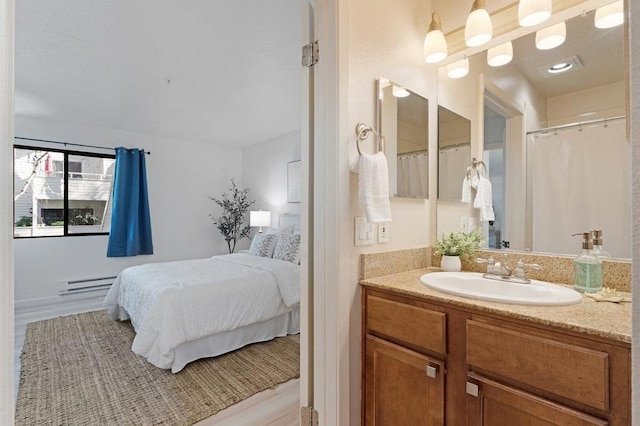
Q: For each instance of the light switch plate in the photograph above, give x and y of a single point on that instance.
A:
(383, 233)
(363, 232)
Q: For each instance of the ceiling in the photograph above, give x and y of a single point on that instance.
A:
(600, 51)
(225, 72)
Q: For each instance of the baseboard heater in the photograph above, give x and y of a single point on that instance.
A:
(84, 285)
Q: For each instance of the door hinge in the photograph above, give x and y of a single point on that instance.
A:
(308, 416)
(310, 54)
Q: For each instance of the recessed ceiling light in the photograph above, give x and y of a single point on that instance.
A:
(560, 67)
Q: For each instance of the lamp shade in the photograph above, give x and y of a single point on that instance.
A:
(533, 12)
(259, 218)
(550, 37)
(399, 91)
(478, 29)
(500, 55)
(435, 45)
(610, 16)
(458, 69)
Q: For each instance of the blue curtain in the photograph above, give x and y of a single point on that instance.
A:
(130, 233)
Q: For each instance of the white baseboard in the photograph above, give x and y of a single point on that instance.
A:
(40, 302)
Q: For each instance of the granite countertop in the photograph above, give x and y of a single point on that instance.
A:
(604, 319)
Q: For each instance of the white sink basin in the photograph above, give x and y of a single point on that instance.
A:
(472, 285)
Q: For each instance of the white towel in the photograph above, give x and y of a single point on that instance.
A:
(466, 190)
(374, 187)
(484, 199)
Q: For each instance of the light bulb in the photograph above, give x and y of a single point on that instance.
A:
(533, 12)
(609, 16)
(435, 45)
(478, 29)
(551, 37)
(458, 69)
(500, 55)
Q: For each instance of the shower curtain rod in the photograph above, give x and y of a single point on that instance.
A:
(70, 144)
(456, 145)
(578, 124)
(420, 151)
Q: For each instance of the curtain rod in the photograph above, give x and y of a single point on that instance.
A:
(69, 143)
(420, 151)
(577, 124)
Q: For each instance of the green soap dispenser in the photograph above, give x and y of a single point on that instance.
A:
(587, 268)
(597, 245)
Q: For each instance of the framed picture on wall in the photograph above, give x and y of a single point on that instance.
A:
(293, 182)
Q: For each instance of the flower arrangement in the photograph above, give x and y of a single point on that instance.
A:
(463, 244)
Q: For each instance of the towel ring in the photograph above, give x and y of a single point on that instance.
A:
(475, 166)
(362, 130)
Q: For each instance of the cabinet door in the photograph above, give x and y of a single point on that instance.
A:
(402, 387)
(490, 403)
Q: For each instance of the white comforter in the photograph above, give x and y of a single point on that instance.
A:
(176, 302)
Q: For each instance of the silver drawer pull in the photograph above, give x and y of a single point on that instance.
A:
(432, 371)
(472, 389)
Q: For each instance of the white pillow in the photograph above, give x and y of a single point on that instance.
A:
(263, 245)
(288, 248)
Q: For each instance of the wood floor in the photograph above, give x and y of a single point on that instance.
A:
(272, 407)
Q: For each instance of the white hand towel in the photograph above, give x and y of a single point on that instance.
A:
(374, 187)
(466, 190)
(484, 199)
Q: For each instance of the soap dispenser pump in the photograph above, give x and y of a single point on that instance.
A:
(597, 245)
(587, 268)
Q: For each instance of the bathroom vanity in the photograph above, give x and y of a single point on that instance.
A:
(430, 358)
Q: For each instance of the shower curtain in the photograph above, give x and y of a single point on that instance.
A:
(581, 179)
(413, 175)
(452, 168)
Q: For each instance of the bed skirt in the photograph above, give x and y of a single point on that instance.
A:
(218, 344)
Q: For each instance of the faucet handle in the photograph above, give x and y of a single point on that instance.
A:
(489, 263)
(520, 268)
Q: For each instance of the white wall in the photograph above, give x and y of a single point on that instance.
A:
(590, 104)
(181, 175)
(264, 172)
(385, 40)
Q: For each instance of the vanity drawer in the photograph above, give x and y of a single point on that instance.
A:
(566, 370)
(406, 323)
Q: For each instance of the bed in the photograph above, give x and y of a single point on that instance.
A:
(187, 310)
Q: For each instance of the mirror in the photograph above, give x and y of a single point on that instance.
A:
(403, 122)
(454, 153)
(554, 143)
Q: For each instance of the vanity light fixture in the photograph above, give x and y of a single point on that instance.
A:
(435, 45)
(478, 29)
(609, 16)
(500, 55)
(551, 37)
(399, 91)
(458, 69)
(533, 12)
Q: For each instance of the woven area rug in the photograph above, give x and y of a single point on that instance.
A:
(79, 370)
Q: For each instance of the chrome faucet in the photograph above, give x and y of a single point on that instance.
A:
(500, 271)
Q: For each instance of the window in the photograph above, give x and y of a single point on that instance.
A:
(61, 193)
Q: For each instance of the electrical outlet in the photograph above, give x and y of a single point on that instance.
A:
(383, 233)
(363, 232)
(472, 223)
(463, 223)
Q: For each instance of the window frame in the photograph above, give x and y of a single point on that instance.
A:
(66, 154)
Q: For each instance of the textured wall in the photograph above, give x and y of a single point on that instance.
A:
(385, 39)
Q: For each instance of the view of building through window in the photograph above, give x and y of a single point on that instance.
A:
(40, 198)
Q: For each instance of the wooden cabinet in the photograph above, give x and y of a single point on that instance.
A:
(492, 403)
(489, 370)
(403, 386)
